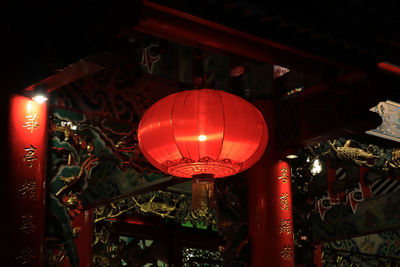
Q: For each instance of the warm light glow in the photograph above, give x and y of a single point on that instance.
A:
(292, 156)
(202, 138)
(40, 98)
(201, 132)
(316, 167)
(29, 106)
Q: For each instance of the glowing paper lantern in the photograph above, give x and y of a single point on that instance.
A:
(202, 133)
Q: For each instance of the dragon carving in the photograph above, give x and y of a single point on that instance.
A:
(357, 155)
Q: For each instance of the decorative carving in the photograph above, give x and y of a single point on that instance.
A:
(150, 56)
(162, 203)
(71, 180)
(72, 203)
(102, 236)
(100, 122)
(159, 208)
(395, 159)
(116, 209)
(65, 128)
(383, 161)
(332, 257)
(185, 167)
(76, 232)
(57, 258)
(357, 155)
(200, 256)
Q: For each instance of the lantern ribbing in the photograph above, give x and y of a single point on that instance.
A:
(202, 132)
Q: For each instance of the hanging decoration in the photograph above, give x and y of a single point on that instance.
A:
(202, 134)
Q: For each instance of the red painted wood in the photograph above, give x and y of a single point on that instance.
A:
(28, 143)
(85, 239)
(318, 256)
(388, 67)
(171, 24)
(266, 213)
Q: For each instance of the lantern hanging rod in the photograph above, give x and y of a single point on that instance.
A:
(174, 25)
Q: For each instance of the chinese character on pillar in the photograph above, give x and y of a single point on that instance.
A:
(26, 256)
(27, 138)
(285, 219)
(285, 201)
(285, 226)
(30, 155)
(27, 224)
(286, 252)
(284, 177)
(28, 189)
(31, 122)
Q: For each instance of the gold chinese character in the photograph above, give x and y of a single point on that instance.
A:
(27, 224)
(285, 175)
(26, 256)
(286, 252)
(284, 201)
(28, 189)
(30, 155)
(285, 226)
(31, 122)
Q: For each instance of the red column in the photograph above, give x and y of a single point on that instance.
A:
(318, 255)
(84, 224)
(270, 207)
(28, 145)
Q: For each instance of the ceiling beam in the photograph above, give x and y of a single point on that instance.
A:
(174, 25)
(67, 75)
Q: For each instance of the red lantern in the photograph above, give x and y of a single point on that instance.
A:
(202, 133)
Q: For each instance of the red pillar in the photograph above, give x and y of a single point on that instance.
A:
(270, 207)
(318, 255)
(27, 156)
(84, 224)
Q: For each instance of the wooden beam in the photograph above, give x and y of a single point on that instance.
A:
(174, 25)
(71, 73)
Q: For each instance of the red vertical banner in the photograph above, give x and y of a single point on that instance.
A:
(28, 145)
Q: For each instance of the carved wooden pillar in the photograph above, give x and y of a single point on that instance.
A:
(27, 156)
(270, 207)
